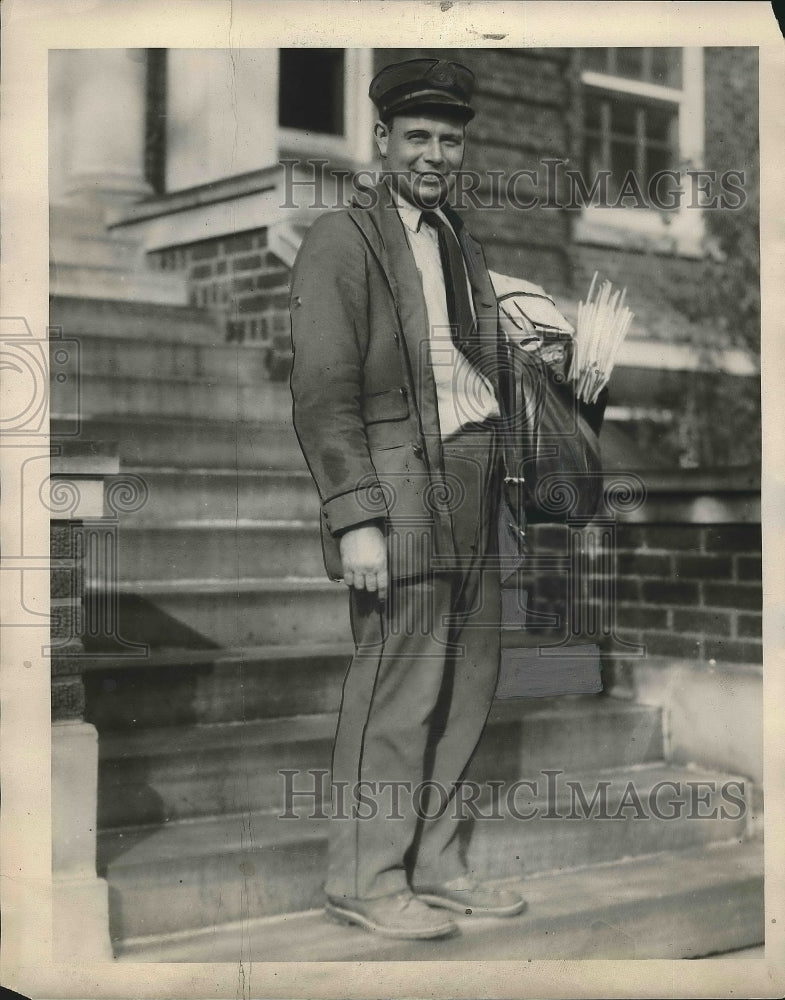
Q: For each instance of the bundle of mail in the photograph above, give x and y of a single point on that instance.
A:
(531, 320)
(603, 322)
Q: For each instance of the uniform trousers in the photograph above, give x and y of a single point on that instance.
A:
(416, 698)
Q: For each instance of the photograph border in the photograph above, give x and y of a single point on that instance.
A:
(31, 29)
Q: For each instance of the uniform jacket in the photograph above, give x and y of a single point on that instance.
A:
(365, 409)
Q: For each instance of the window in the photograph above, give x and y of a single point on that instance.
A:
(213, 114)
(623, 131)
(220, 114)
(658, 66)
(626, 132)
(642, 113)
(323, 103)
(311, 90)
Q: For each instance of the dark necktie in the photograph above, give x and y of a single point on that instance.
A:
(459, 307)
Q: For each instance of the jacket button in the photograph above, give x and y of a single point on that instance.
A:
(417, 449)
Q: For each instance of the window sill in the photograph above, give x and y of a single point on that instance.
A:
(262, 181)
(338, 149)
(675, 234)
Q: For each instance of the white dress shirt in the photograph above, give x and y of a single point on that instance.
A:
(463, 394)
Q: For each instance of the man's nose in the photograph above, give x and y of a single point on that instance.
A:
(434, 154)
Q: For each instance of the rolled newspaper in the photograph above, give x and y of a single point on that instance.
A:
(603, 323)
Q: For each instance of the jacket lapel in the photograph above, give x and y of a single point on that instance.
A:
(402, 273)
(483, 296)
(384, 232)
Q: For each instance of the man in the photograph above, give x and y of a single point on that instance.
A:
(396, 396)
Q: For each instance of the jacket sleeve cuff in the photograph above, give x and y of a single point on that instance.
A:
(354, 508)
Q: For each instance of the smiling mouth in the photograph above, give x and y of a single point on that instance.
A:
(431, 187)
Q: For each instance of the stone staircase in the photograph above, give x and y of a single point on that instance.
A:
(220, 575)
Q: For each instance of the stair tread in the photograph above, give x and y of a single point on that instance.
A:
(283, 425)
(220, 586)
(185, 656)
(118, 267)
(292, 728)
(229, 473)
(166, 378)
(130, 847)
(219, 524)
(77, 303)
(573, 914)
(126, 340)
(203, 837)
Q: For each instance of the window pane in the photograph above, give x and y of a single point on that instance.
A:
(591, 111)
(658, 124)
(666, 67)
(629, 63)
(593, 156)
(622, 159)
(624, 134)
(657, 159)
(623, 117)
(596, 59)
(310, 95)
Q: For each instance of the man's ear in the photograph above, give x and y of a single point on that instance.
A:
(381, 134)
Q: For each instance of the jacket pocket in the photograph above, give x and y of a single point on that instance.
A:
(392, 404)
(386, 419)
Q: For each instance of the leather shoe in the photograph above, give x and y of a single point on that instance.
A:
(471, 896)
(400, 915)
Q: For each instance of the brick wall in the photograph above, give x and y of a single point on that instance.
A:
(238, 279)
(667, 291)
(689, 591)
(527, 110)
(731, 98)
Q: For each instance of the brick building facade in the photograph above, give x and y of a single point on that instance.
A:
(534, 108)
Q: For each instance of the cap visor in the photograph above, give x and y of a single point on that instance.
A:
(454, 107)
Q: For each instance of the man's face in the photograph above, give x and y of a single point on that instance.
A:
(422, 153)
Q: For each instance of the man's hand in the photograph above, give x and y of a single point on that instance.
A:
(364, 559)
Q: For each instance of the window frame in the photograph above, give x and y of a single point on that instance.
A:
(680, 229)
(356, 142)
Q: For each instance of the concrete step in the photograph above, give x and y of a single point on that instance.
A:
(224, 549)
(94, 250)
(626, 821)
(187, 687)
(112, 283)
(206, 613)
(76, 220)
(199, 442)
(168, 397)
(673, 905)
(202, 872)
(218, 494)
(145, 321)
(228, 364)
(165, 774)
(173, 687)
(233, 611)
(193, 874)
